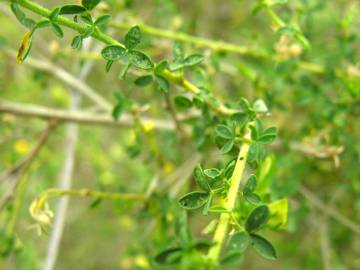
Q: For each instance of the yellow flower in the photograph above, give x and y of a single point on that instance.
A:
(168, 168)
(21, 146)
(148, 126)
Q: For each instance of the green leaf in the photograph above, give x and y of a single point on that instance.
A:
(140, 59)
(260, 106)
(124, 72)
(163, 83)
(117, 111)
(257, 218)
(226, 148)
(278, 214)
(193, 60)
(21, 16)
(28, 23)
(143, 81)
(304, 42)
(77, 42)
(41, 24)
(252, 198)
(87, 18)
(212, 172)
(57, 30)
(286, 30)
(257, 8)
(133, 38)
(238, 242)
(95, 203)
(224, 132)
(177, 65)
(277, 2)
(113, 52)
(268, 136)
(90, 4)
(178, 52)
(202, 244)
(89, 31)
(182, 102)
(160, 67)
(256, 153)
(54, 14)
(208, 204)
(244, 104)
(231, 259)
(193, 200)
(254, 132)
(263, 247)
(169, 256)
(211, 227)
(229, 169)
(102, 20)
(250, 184)
(108, 65)
(71, 9)
(182, 229)
(7, 243)
(200, 178)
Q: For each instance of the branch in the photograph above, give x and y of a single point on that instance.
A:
(68, 78)
(217, 46)
(21, 170)
(315, 201)
(230, 201)
(30, 110)
(220, 46)
(40, 10)
(97, 34)
(65, 180)
(170, 108)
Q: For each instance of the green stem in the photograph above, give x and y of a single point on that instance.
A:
(19, 198)
(38, 9)
(275, 18)
(229, 203)
(197, 41)
(54, 193)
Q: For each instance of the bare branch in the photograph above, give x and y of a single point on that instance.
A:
(19, 170)
(315, 201)
(30, 110)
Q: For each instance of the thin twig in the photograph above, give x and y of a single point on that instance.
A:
(315, 201)
(173, 114)
(18, 173)
(65, 179)
(67, 78)
(30, 110)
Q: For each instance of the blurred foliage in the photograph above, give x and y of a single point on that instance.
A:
(301, 59)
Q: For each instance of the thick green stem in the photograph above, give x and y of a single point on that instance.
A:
(229, 203)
